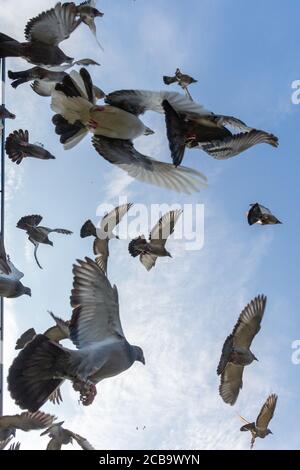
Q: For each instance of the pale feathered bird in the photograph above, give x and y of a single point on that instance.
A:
(88, 12)
(60, 436)
(104, 233)
(11, 286)
(259, 214)
(260, 427)
(150, 251)
(24, 422)
(38, 234)
(116, 125)
(18, 147)
(96, 331)
(236, 353)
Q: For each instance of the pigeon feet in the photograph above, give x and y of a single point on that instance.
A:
(87, 389)
(92, 124)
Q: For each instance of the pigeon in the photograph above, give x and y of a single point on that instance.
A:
(96, 331)
(115, 126)
(37, 234)
(5, 114)
(44, 77)
(60, 436)
(56, 333)
(155, 248)
(10, 285)
(87, 12)
(260, 428)
(209, 133)
(259, 214)
(236, 353)
(182, 79)
(24, 422)
(104, 233)
(43, 34)
(17, 147)
(4, 260)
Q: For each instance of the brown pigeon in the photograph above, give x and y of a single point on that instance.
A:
(18, 147)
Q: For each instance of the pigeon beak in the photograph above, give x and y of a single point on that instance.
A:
(148, 131)
(255, 358)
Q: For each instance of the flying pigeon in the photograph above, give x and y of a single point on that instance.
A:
(236, 353)
(260, 428)
(259, 214)
(24, 422)
(96, 331)
(10, 285)
(5, 114)
(43, 34)
(155, 248)
(4, 260)
(104, 233)
(37, 234)
(60, 436)
(44, 80)
(116, 125)
(17, 147)
(87, 12)
(182, 79)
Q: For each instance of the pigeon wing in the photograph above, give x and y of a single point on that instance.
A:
(27, 421)
(52, 26)
(267, 412)
(29, 221)
(111, 220)
(145, 169)
(25, 338)
(248, 324)
(96, 306)
(82, 442)
(43, 88)
(231, 383)
(165, 227)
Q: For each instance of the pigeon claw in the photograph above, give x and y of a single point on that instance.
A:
(92, 124)
(88, 391)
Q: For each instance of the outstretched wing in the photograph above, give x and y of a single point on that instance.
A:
(248, 324)
(52, 26)
(267, 412)
(232, 146)
(145, 169)
(27, 421)
(96, 306)
(165, 227)
(139, 101)
(111, 220)
(82, 442)
(29, 221)
(231, 383)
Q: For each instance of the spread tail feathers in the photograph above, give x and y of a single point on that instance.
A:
(30, 378)
(88, 230)
(133, 249)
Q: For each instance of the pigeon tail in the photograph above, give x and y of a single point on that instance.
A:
(135, 245)
(30, 378)
(9, 47)
(88, 230)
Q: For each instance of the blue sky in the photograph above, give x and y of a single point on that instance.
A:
(245, 60)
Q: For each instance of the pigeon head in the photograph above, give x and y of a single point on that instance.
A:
(148, 131)
(5, 114)
(139, 355)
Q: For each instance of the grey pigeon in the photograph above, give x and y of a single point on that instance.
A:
(236, 353)
(96, 331)
(116, 125)
(150, 251)
(104, 233)
(4, 260)
(5, 114)
(260, 427)
(43, 34)
(37, 234)
(60, 436)
(10, 285)
(24, 422)
(259, 214)
(87, 12)
(210, 133)
(182, 79)
(18, 147)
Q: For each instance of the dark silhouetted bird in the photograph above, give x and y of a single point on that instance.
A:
(37, 234)
(17, 147)
(155, 248)
(259, 214)
(209, 132)
(96, 331)
(60, 436)
(104, 233)
(236, 353)
(182, 79)
(260, 427)
(5, 114)
(24, 422)
(115, 126)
